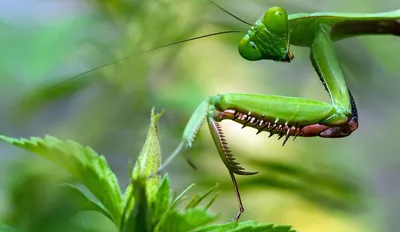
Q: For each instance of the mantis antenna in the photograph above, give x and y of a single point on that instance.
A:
(146, 51)
(159, 47)
(229, 13)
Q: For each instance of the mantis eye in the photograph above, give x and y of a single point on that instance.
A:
(249, 50)
(275, 20)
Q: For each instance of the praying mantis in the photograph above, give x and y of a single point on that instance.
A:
(270, 38)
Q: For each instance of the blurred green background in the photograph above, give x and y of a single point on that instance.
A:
(350, 184)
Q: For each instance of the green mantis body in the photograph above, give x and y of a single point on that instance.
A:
(269, 39)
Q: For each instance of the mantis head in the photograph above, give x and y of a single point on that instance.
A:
(268, 38)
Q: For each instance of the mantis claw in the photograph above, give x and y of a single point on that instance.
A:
(223, 149)
(228, 158)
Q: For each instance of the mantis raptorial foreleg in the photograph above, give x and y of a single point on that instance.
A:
(284, 116)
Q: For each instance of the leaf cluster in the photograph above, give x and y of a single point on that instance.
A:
(147, 204)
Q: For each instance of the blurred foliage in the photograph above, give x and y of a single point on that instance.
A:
(344, 185)
(325, 189)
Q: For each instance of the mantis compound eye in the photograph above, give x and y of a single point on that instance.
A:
(249, 50)
(275, 20)
(276, 23)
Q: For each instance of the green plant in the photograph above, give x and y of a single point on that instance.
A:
(146, 205)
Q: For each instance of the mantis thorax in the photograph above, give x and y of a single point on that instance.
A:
(268, 38)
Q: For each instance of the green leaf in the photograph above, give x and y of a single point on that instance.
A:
(83, 200)
(245, 226)
(184, 221)
(4, 228)
(200, 197)
(227, 226)
(264, 228)
(181, 196)
(147, 163)
(83, 163)
(163, 196)
(138, 219)
(211, 201)
(149, 159)
(169, 219)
